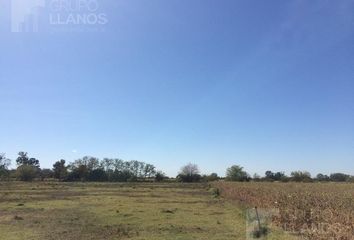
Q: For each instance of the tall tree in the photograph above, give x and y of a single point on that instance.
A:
(60, 170)
(135, 167)
(4, 162)
(149, 170)
(23, 159)
(190, 169)
(118, 164)
(236, 173)
(4, 165)
(189, 173)
(107, 164)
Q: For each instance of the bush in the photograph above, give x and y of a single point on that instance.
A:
(215, 192)
(189, 173)
(133, 178)
(278, 176)
(322, 178)
(189, 178)
(285, 179)
(60, 171)
(46, 174)
(301, 176)
(212, 177)
(98, 175)
(160, 176)
(236, 173)
(4, 174)
(122, 176)
(26, 172)
(339, 177)
(73, 175)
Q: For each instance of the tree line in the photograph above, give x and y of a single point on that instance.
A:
(83, 169)
(191, 173)
(117, 170)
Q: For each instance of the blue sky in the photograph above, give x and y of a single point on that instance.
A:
(262, 84)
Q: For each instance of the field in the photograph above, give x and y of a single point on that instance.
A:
(318, 211)
(119, 211)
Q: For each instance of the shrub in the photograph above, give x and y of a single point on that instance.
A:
(212, 177)
(215, 192)
(160, 176)
(133, 178)
(98, 175)
(26, 172)
(60, 170)
(322, 178)
(4, 174)
(189, 173)
(301, 176)
(122, 176)
(339, 177)
(46, 174)
(236, 173)
(189, 178)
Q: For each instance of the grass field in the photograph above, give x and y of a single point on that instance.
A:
(119, 211)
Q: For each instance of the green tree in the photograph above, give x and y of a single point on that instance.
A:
(107, 164)
(135, 167)
(23, 159)
(322, 177)
(301, 176)
(4, 165)
(339, 177)
(98, 175)
(236, 173)
(28, 168)
(278, 176)
(149, 170)
(269, 175)
(122, 176)
(60, 170)
(119, 164)
(4, 162)
(81, 168)
(160, 176)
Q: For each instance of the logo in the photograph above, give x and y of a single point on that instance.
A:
(57, 15)
(25, 15)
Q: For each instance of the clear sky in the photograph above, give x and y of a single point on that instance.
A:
(262, 84)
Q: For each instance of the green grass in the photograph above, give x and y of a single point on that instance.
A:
(149, 211)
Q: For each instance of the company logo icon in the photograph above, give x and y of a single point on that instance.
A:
(25, 15)
(57, 15)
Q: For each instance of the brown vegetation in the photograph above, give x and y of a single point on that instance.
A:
(315, 211)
